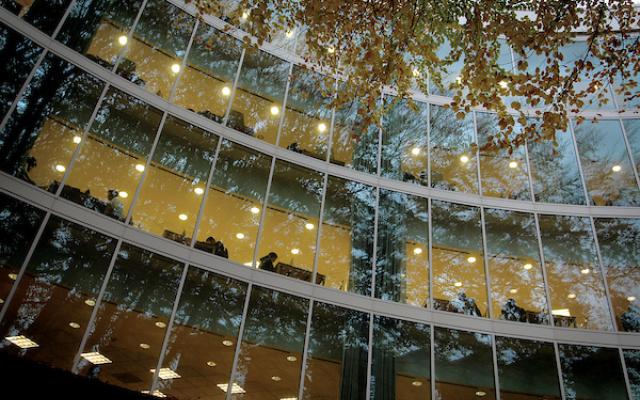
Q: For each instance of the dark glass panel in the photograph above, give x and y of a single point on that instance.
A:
(43, 14)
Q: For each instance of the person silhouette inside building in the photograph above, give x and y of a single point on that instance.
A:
(512, 312)
(267, 262)
(464, 305)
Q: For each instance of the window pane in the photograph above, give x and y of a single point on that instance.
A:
(99, 28)
(575, 284)
(207, 321)
(19, 223)
(43, 14)
(404, 142)
(290, 226)
(554, 171)
(402, 264)
(453, 159)
(632, 129)
(337, 354)
(113, 157)
(63, 277)
(459, 283)
(517, 283)
(608, 172)
(307, 119)
(451, 71)
(132, 318)
(234, 201)
(463, 365)
(400, 366)
(19, 55)
(354, 143)
(619, 241)
(592, 373)
(346, 242)
(501, 174)
(527, 369)
(153, 56)
(259, 95)
(272, 342)
(174, 186)
(632, 361)
(46, 127)
(205, 85)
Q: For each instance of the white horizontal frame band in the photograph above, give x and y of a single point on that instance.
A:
(283, 154)
(101, 223)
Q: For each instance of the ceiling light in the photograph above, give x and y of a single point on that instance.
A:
(417, 251)
(513, 165)
(416, 383)
(227, 343)
(175, 68)
(226, 91)
(503, 84)
(585, 271)
(155, 393)
(1, 301)
(139, 167)
(275, 110)
(309, 226)
(571, 296)
(183, 217)
(144, 346)
(292, 358)
(211, 363)
(74, 325)
(415, 151)
(166, 373)
(471, 259)
(289, 33)
(322, 127)
(254, 210)
(161, 324)
(123, 194)
(240, 235)
(90, 302)
(295, 251)
(276, 378)
(464, 159)
(563, 312)
(245, 15)
(631, 298)
(331, 50)
(616, 168)
(457, 284)
(12, 276)
(22, 341)
(248, 264)
(528, 266)
(288, 398)
(77, 139)
(480, 393)
(199, 191)
(95, 358)
(123, 40)
(513, 291)
(60, 168)
(235, 388)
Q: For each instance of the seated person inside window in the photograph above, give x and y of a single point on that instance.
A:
(115, 208)
(464, 305)
(512, 312)
(266, 262)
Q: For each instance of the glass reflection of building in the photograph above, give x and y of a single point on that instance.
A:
(194, 219)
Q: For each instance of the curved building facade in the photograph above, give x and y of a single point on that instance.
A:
(191, 219)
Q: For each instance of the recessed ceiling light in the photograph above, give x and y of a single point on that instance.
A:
(226, 91)
(175, 68)
(480, 393)
(457, 284)
(22, 341)
(295, 251)
(12, 276)
(240, 235)
(415, 151)
(74, 325)
(513, 165)
(95, 358)
(464, 159)
(140, 167)
(471, 259)
(123, 39)
(276, 378)
(166, 373)
(161, 324)
(123, 194)
(248, 264)
(144, 346)
(292, 358)
(631, 298)
(416, 383)
(616, 168)
(571, 296)
(90, 302)
(227, 343)
(275, 110)
(513, 291)
(254, 210)
(199, 191)
(309, 226)
(211, 363)
(564, 312)
(60, 168)
(585, 271)
(322, 127)
(183, 217)
(235, 388)
(77, 139)
(417, 251)
(528, 266)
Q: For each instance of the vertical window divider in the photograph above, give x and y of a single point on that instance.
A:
(147, 164)
(556, 350)
(369, 358)
(374, 256)
(617, 105)
(167, 333)
(125, 48)
(316, 257)
(236, 354)
(630, 154)
(485, 259)
(263, 214)
(429, 145)
(203, 204)
(543, 267)
(234, 86)
(625, 373)
(432, 361)
(379, 147)
(284, 104)
(603, 275)
(475, 138)
(494, 355)
(332, 124)
(529, 175)
(587, 198)
(183, 64)
(23, 266)
(305, 349)
(430, 256)
(96, 307)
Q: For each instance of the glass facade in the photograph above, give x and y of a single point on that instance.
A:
(360, 262)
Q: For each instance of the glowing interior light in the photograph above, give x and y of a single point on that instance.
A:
(295, 251)
(513, 165)
(459, 80)
(571, 296)
(309, 226)
(415, 151)
(276, 378)
(631, 298)
(12, 276)
(616, 168)
(254, 210)
(240, 235)
(289, 33)
(183, 217)
(457, 284)
(211, 363)
(471, 259)
(585, 271)
(77, 139)
(292, 358)
(123, 39)
(226, 91)
(60, 168)
(166, 373)
(140, 167)
(227, 343)
(235, 388)
(504, 84)
(480, 393)
(416, 383)
(528, 266)
(90, 302)
(144, 346)
(74, 325)
(464, 159)
(95, 358)
(513, 291)
(123, 194)
(245, 15)
(275, 110)
(199, 191)
(564, 312)
(175, 68)
(322, 127)
(156, 393)
(331, 50)
(416, 72)
(417, 251)
(161, 324)
(22, 341)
